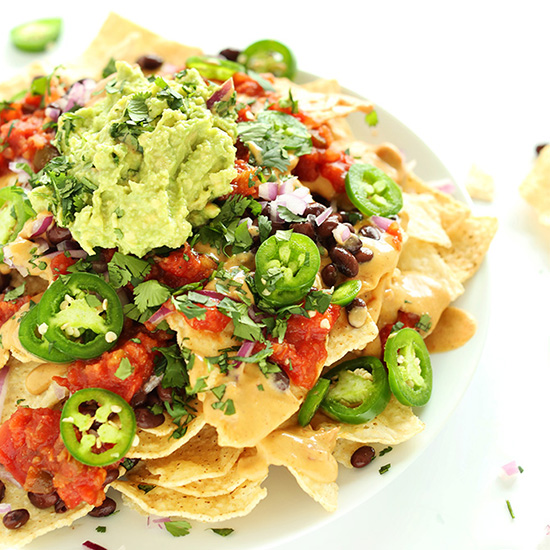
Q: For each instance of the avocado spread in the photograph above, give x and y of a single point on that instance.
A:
(141, 164)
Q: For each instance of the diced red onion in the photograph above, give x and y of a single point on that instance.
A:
(59, 392)
(152, 383)
(41, 246)
(79, 93)
(211, 294)
(323, 216)
(22, 175)
(5, 508)
(41, 225)
(52, 112)
(52, 255)
(268, 190)
(159, 315)
(153, 522)
(382, 223)
(93, 546)
(295, 204)
(341, 233)
(511, 468)
(68, 245)
(223, 93)
(246, 349)
(444, 185)
(547, 530)
(286, 187)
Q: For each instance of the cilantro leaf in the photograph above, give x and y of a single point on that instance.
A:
(124, 269)
(178, 528)
(172, 365)
(150, 294)
(225, 532)
(125, 369)
(14, 293)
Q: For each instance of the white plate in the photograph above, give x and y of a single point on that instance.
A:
(288, 512)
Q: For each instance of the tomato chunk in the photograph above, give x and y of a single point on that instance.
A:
(302, 354)
(32, 451)
(9, 308)
(103, 372)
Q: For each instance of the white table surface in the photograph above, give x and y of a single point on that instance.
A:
(472, 80)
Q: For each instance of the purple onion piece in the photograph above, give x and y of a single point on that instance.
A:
(223, 93)
(41, 225)
(382, 223)
(323, 216)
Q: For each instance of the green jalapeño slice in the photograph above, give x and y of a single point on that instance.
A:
(213, 68)
(269, 56)
(80, 315)
(313, 401)
(360, 391)
(97, 426)
(409, 367)
(286, 267)
(372, 191)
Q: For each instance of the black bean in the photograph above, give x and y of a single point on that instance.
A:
(362, 456)
(314, 209)
(43, 156)
(112, 475)
(230, 53)
(138, 399)
(165, 394)
(16, 518)
(2, 490)
(364, 255)
(106, 508)
(146, 419)
(540, 147)
(58, 234)
(281, 380)
(344, 261)
(304, 228)
(43, 501)
(326, 228)
(329, 274)
(353, 244)
(356, 302)
(153, 398)
(370, 231)
(60, 507)
(150, 62)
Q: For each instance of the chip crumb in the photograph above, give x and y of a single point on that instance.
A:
(479, 184)
(535, 188)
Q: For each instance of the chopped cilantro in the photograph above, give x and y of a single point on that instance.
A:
(384, 451)
(424, 323)
(125, 369)
(244, 327)
(223, 532)
(124, 269)
(178, 528)
(384, 469)
(110, 68)
(101, 529)
(14, 293)
(146, 488)
(371, 118)
(150, 294)
(509, 506)
(171, 363)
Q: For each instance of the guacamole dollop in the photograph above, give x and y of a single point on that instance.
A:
(141, 164)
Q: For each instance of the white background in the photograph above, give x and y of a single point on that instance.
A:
(472, 79)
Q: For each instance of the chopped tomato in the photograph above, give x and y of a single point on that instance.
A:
(404, 320)
(303, 352)
(397, 237)
(182, 267)
(330, 163)
(102, 372)
(214, 321)
(9, 308)
(246, 182)
(246, 85)
(32, 451)
(60, 265)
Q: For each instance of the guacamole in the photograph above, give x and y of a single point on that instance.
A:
(141, 164)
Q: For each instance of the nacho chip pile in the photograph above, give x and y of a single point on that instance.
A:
(210, 465)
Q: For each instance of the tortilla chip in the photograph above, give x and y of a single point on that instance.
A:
(535, 188)
(168, 502)
(40, 522)
(14, 85)
(200, 458)
(344, 338)
(151, 445)
(326, 494)
(479, 184)
(470, 243)
(451, 211)
(323, 85)
(424, 258)
(425, 219)
(122, 39)
(396, 424)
